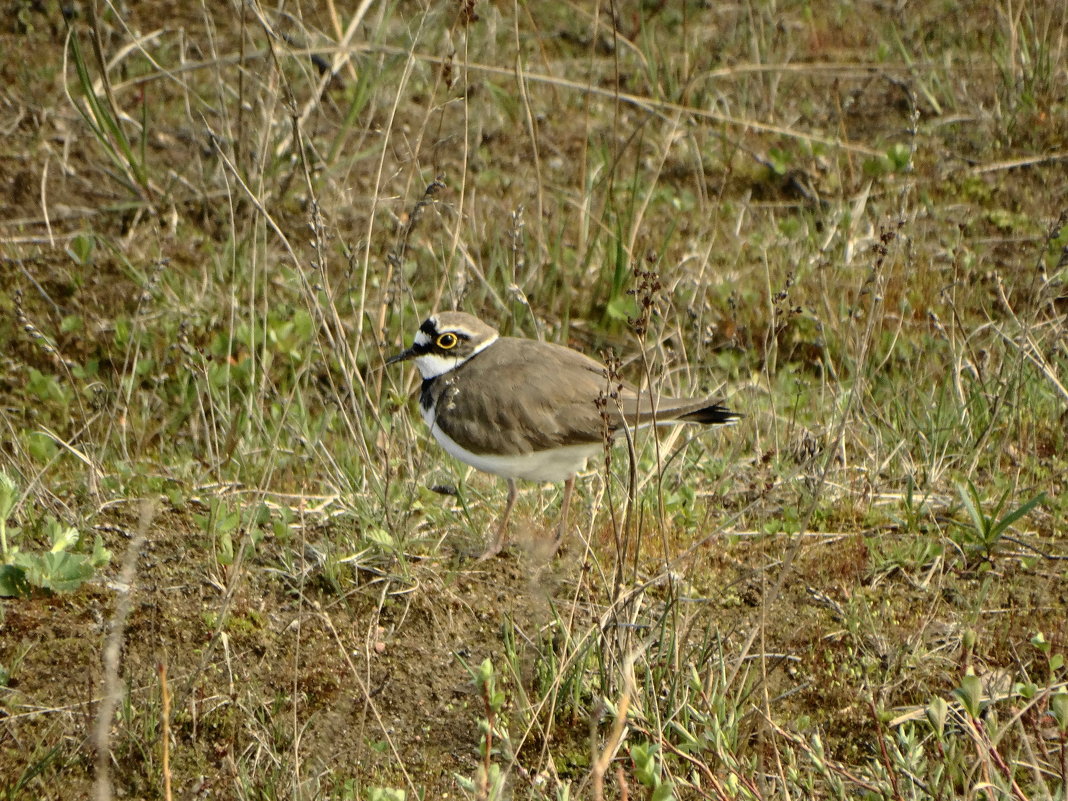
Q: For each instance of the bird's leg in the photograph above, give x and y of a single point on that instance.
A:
(502, 528)
(565, 504)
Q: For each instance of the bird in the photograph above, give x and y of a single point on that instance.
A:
(527, 409)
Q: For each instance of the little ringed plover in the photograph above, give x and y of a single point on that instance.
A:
(521, 408)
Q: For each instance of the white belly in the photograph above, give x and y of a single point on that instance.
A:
(558, 464)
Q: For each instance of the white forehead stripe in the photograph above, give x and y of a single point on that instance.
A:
(421, 337)
(484, 345)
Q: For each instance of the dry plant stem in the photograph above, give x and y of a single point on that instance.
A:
(831, 453)
(109, 702)
(641, 102)
(707, 772)
(239, 139)
(165, 729)
(465, 160)
(617, 735)
(565, 505)
(881, 739)
(335, 21)
(487, 753)
(362, 685)
(630, 547)
(235, 574)
(342, 55)
(570, 653)
(298, 635)
(986, 749)
(337, 339)
(1032, 352)
(532, 132)
(379, 179)
(832, 765)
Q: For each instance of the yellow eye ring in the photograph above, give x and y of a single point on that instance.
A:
(447, 340)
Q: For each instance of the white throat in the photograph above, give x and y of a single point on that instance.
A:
(431, 365)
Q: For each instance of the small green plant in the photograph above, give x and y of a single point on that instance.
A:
(219, 524)
(488, 784)
(986, 530)
(385, 794)
(8, 491)
(970, 694)
(57, 570)
(1058, 707)
(649, 772)
(105, 122)
(81, 249)
(895, 159)
(1055, 661)
(222, 522)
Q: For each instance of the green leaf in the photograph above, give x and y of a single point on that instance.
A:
(81, 248)
(62, 537)
(621, 308)
(101, 555)
(8, 493)
(1012, 517)
(970, 497)
(465, 783)
(13, 582)
(226, 548)
(227, 521)
(899, 155)
(646, 768)
(41, 446)
(385, 794)
(1026, 689)
(59, 572)
(379, 536)
(937, 711)
(1058, 707)
(45, 387)
(970, 694)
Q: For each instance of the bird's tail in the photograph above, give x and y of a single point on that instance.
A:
(715, 414)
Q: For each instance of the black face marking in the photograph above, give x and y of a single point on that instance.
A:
(426, 395)
(438, 342)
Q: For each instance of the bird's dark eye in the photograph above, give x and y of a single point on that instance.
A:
(447, 340)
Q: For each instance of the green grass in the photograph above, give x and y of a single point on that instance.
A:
(848, 220)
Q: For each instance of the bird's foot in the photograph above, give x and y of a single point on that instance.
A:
(493, 550)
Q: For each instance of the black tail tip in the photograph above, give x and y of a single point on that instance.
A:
(715, 415)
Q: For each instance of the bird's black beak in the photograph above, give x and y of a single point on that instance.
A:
(404, 355)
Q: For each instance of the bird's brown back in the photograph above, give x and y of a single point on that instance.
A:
(554, 392)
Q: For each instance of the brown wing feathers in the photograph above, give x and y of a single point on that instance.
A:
(556, 391)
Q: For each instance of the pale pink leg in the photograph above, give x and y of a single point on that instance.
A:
(501, 538)
(561, 529)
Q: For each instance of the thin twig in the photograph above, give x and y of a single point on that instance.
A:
(102, 789)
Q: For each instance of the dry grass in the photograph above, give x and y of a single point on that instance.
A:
(850, 220)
